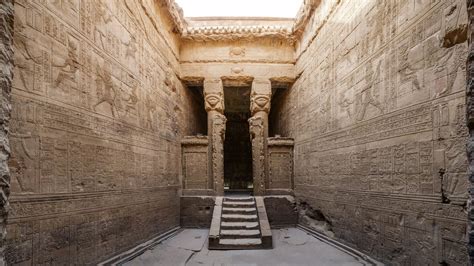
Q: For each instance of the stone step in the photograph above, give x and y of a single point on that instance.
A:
(241, 242)
(239, 198)
(239, 218)
(239, 203)
(239, 225)
(229, 210)
(245, 233)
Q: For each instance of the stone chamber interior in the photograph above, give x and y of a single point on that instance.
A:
(122, 121)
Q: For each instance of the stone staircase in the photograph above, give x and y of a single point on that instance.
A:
(240, 223)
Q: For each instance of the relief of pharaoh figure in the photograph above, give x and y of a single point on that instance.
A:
(23, 53)
(69, 67)
(366, 97)
(105, 88)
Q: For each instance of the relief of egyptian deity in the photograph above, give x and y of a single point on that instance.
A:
(256, 124)
(214, 101)
(218, 136)
(259, 102)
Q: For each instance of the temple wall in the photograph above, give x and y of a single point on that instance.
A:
(6, 76)
(378, 118)
(98, 113)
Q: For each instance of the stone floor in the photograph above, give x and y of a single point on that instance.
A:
(291, 247)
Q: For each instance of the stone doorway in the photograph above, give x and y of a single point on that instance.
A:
(237, 143)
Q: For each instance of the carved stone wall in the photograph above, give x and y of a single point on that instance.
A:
(195, 164)
(280, 165)
(378, 118)
(6, 76)
(98, 114)
(470, 124)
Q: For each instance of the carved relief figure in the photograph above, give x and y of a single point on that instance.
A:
(106, 92)
(452, 60)
(132, 100)
(214, 101)
(169, 78)
(366, 97)
(325, 114)
(408, 70)
(259, 102)
(23, 54)
(256, 124)
(23, 162)
(345, 103)
(218, 136)
(102, 18)
(131, 47)
(69, 67)
(150, 108)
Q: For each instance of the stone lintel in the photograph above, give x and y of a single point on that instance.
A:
(195, 140)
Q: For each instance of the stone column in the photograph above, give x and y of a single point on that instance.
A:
(260, 107)
(216, 122)
(6, 76)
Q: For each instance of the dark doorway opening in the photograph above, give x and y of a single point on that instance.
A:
(237, 144)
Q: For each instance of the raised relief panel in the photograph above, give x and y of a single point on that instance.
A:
(23, 163)
(195, 170)
(237, 51)
(280, 161)
(32, 61)
(410, 72)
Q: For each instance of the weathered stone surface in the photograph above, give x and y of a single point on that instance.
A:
(6, 76)
(378, 118)
(98, 116)
(470, 125)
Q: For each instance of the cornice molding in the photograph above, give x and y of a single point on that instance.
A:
(217, 33)
(176, 14)
(236, 32)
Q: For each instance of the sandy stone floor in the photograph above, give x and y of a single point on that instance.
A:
(291, 247)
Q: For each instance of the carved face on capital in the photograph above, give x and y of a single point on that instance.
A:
(214, 102)
(260, 102)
